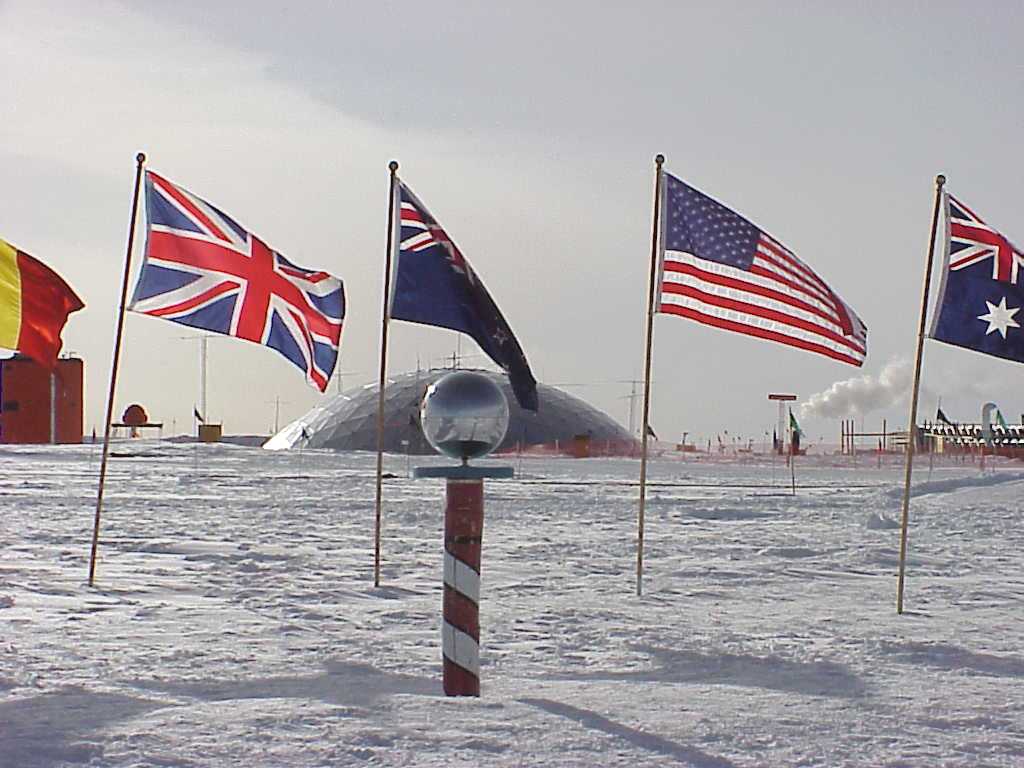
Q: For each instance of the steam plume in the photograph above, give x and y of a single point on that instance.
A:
(862, 394)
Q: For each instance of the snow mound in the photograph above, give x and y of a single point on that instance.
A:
(878, 522)
(949, 485)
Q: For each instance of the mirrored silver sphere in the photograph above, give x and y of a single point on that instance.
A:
(464, 415)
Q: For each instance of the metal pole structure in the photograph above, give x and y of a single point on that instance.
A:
(652, 289)
(385, 315)
(204, 345)
(53, 408)
(782, 426)
(792, 455)
(140, 160)
(940, 180)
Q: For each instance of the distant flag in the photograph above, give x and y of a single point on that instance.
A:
(202, 269)
(721, 270)
(34, 306)
(435, 285)
(198, 416)
(940, 416)
(794, 426)
(1000, 420)
(981, 295)
(650, 432)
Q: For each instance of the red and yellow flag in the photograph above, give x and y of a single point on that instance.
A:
(34, 305)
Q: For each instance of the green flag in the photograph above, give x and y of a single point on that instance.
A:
(793, 426)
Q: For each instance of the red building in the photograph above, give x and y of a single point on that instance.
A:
(37, 406)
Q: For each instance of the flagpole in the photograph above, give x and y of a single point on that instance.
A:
(393, 167)
(140, 160)
(792, 455)
(940, 181)
(659, 160)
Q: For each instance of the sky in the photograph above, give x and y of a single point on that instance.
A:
(529, 130)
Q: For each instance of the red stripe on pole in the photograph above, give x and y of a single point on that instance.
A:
(459, 681)
(462, 613)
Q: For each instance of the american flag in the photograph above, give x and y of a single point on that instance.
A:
(721, 270)
(203, 270)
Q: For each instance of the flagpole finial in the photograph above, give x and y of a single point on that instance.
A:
(940, 180)
(659, 159)
(393, 166)
(140, 158)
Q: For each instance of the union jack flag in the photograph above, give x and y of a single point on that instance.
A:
(202, 269)
(971, 241)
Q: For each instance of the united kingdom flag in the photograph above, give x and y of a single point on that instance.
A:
(202, 269)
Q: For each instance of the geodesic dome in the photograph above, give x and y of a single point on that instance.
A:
(348, 421)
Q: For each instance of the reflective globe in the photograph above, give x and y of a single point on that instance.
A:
(464, 415)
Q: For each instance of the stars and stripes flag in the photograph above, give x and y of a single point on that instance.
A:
(981, 294)
(203, 270)
(721, 270)
(435, 285)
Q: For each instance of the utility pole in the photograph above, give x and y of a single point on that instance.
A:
(204, 344)
(204, 349)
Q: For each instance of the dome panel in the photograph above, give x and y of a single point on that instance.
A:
(348, 421)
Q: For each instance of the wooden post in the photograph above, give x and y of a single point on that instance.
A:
(652, 290)
(140, 160)
(385, 316)
(912, 424)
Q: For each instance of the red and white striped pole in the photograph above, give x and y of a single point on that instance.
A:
(463, 532)
(464, 416)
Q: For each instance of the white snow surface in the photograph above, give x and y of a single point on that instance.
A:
(234, 621)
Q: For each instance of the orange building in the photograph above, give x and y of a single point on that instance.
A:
(37, 406)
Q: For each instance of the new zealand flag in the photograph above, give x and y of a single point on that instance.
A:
(435, 285)
(981, 296)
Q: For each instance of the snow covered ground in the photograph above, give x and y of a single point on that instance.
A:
(234, 622)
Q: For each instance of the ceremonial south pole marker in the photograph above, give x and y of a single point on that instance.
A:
(464, 415)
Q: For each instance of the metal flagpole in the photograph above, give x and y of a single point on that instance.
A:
(385, 315)
(652, 289)
(940, 180)
(140, 160)
(792, 455)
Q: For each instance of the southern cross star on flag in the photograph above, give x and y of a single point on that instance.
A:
(981, 296)
(203, 270)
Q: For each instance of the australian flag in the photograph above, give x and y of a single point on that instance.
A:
(981, 297)
(204, 270)
(434, 285)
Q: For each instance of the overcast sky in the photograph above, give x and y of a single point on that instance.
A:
(530, 131)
